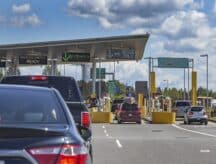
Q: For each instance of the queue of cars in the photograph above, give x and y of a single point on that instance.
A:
(42, 124)
(184, 109)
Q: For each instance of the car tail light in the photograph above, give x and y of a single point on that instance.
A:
(174, 110)
(190, 113)
(85, 119)
(139, 111)
(38, 78)
(66, 154)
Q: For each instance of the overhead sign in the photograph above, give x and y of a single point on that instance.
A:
(76, 57)
(127, 54)
(173, 62)
(100, 73)
(112, 87)
(141, 87)
(33, 60)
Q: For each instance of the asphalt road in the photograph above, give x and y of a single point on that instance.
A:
(154, 144)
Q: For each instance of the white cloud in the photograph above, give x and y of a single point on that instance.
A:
(31, 20)
(214, 8)
(132, 12)
(21, 9)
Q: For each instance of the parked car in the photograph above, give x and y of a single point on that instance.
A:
(196, 114)
(129, 111)
(68, 88)
(36, 127)
(180, 106)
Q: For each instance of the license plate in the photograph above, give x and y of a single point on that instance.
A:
(2, 162)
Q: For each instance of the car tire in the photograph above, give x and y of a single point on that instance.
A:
(189, 122)
(206, 123)
(185, 122)
(119, 122)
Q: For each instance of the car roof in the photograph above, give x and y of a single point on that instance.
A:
(71, 77)
(24, 87)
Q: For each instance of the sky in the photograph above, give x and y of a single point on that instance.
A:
(178, 28)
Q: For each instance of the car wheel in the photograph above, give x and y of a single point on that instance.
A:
(189, 122)
(206, 123)
(185, 122)
(119, 122)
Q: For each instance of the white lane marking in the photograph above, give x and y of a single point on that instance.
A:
(105, 131)
(107, 135)
(103, 127)
(192, 131)
(118, 143)
(205, 151)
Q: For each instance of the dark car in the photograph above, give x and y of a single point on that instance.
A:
(68, 88)
(129, 112)
(115, 104)
(36, 127)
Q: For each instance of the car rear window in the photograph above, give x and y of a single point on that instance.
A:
(196, 109)
(182, 103)
(129, 107)
(27, 106)
(66, 86)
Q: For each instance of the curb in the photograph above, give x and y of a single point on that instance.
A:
(147, 119)
(212, 120)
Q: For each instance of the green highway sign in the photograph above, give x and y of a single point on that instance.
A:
(99, 71)
(111, 87)
(173, 62)
(76, 57)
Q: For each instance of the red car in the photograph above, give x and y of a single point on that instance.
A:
(129, 112)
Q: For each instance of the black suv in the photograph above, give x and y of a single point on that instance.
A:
(69, 90)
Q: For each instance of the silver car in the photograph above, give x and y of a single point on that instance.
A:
(180, 106)
(196, 114)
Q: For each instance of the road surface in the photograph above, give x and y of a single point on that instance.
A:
(154, 144)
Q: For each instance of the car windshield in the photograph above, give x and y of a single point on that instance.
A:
(183, 103)
(196, 109)
(26, 107)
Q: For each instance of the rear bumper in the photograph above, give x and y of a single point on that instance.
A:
(197, 119)
(130, 119)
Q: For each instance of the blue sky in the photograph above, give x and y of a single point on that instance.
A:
(178, 28)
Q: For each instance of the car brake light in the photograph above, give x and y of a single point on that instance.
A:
(85, 119)
(174, 110)
(190, 113)
(38, 78)
(66, 154)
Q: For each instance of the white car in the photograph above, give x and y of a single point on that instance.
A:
(196, 114)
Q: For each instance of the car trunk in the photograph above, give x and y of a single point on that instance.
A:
(17, 138)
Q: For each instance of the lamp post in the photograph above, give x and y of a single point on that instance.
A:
(207, 94)
(167, 85)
